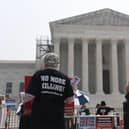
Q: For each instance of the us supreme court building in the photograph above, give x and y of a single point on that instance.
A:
(95, 47)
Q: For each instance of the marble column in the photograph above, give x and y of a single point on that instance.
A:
(114, 66)
(70, 57)
(99, 67)
(85, 79)
(57, 46)
(127, 60)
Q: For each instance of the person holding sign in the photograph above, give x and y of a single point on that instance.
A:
(103, 109)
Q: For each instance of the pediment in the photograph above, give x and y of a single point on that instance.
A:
(100, 17)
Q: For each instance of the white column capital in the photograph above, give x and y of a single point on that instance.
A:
(71, 39)
(114, 41)
(126, 41)
(85, 40)
(98, 40)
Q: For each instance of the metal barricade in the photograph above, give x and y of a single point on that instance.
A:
(9, 119)
(3, 117)
(92, 122)
(112, 121)
(12, 120)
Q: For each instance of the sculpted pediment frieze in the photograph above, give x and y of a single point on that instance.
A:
(100, 17)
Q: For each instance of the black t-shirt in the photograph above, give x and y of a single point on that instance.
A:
(50, 88)
(104, 110)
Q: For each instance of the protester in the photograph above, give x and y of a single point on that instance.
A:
(97, 106)
(127, 93)
(49, 89)
(103, 109)
(84, 110)
(126, 109)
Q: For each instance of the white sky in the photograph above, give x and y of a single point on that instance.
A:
(22, 21)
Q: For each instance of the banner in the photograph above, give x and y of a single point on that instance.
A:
(27, 106)
(104, 122)
(11, 103)
(69, 109)
(87, 122)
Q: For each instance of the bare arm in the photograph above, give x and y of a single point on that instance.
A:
(28, 97)
(69, 100)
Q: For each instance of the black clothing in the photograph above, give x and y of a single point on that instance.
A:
(127, 97)
(24, 122)
(126, 111)
(86, 111)
(24, 119)
(50, 88)
(103, 110)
